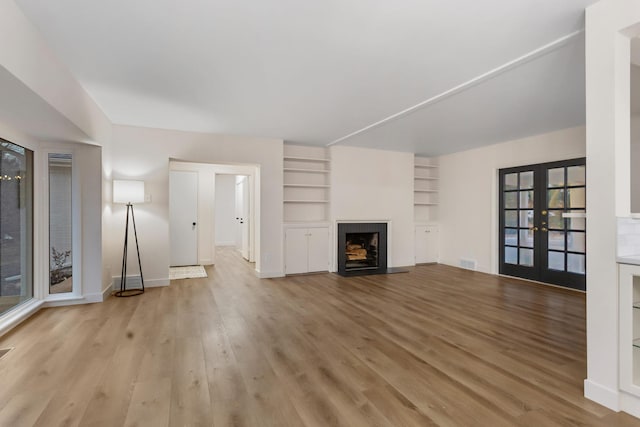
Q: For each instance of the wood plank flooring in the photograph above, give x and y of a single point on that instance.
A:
(438, 346)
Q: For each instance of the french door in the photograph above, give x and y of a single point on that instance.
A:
(542, 222)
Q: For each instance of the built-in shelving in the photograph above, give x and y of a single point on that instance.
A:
(425, 189)
(306, 170)
(306, 183)
(306, 201)
(629, 325)
(307, 159)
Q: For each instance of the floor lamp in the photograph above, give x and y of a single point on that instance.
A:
(129, 192)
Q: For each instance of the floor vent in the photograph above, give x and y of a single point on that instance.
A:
(469, 264)
(4, 351)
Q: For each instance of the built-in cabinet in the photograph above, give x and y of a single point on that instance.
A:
(629, 303)
(425, 189)
(426, 243)
(425, 204)
(306, 208)
(306, 249)
(306, 183)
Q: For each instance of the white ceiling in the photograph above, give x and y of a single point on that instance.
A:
(314, 72)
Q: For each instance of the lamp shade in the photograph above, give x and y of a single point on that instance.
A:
(128, 191)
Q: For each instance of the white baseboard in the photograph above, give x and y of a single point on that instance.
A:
(225, 243)
(269, 274)
(56, 301)
(602, 395)
(630, 404)
(134, 282)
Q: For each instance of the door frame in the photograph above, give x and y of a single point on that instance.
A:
(208, 171)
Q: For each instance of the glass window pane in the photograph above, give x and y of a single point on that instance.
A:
(511, 181)
(526, 180)
(60, 223)
(576, 241)
(511, 200)
(526, 238)
(526, 199)
(576, 175)
(526, 257)
(555, 199)
(576, 197)
(556, 240)
(555, 177)
(576, 223)
(510, 255)
(556, 260)
(555, 220)
(526, 219)
(511, 218)
(16, 225)
(511, 236)
(576, 263)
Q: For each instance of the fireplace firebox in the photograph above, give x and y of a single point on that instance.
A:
(362, 248)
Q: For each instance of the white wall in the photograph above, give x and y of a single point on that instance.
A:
(143, 153)
(225, 210)
(469, 189)
(608, 28)
(369, 184)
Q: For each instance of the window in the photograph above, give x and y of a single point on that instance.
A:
(60, 224)
(16, 225)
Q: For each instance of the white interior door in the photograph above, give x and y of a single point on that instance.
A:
(246, 216)
(242, 215)
(183, 213)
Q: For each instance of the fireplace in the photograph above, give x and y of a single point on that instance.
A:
(362, 248)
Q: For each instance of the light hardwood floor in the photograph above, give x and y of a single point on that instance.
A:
(436, 346)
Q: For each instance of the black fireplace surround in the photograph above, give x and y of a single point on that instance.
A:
(362, 248)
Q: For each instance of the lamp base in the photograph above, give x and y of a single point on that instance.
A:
(124, 292)
(128, 293)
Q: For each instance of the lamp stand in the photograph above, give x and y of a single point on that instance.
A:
(124, 292)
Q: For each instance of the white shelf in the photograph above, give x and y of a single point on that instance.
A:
(306, 201)
(306, 170)
(425, 190)
(306, 159)
(307, 185)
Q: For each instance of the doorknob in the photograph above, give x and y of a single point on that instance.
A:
(544, 228)
(535, 228)
(544, 212)
(194, 224)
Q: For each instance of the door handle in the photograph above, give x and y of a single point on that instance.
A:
(241, 222)
(535, 229)
(544, 229)
(194, 224)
